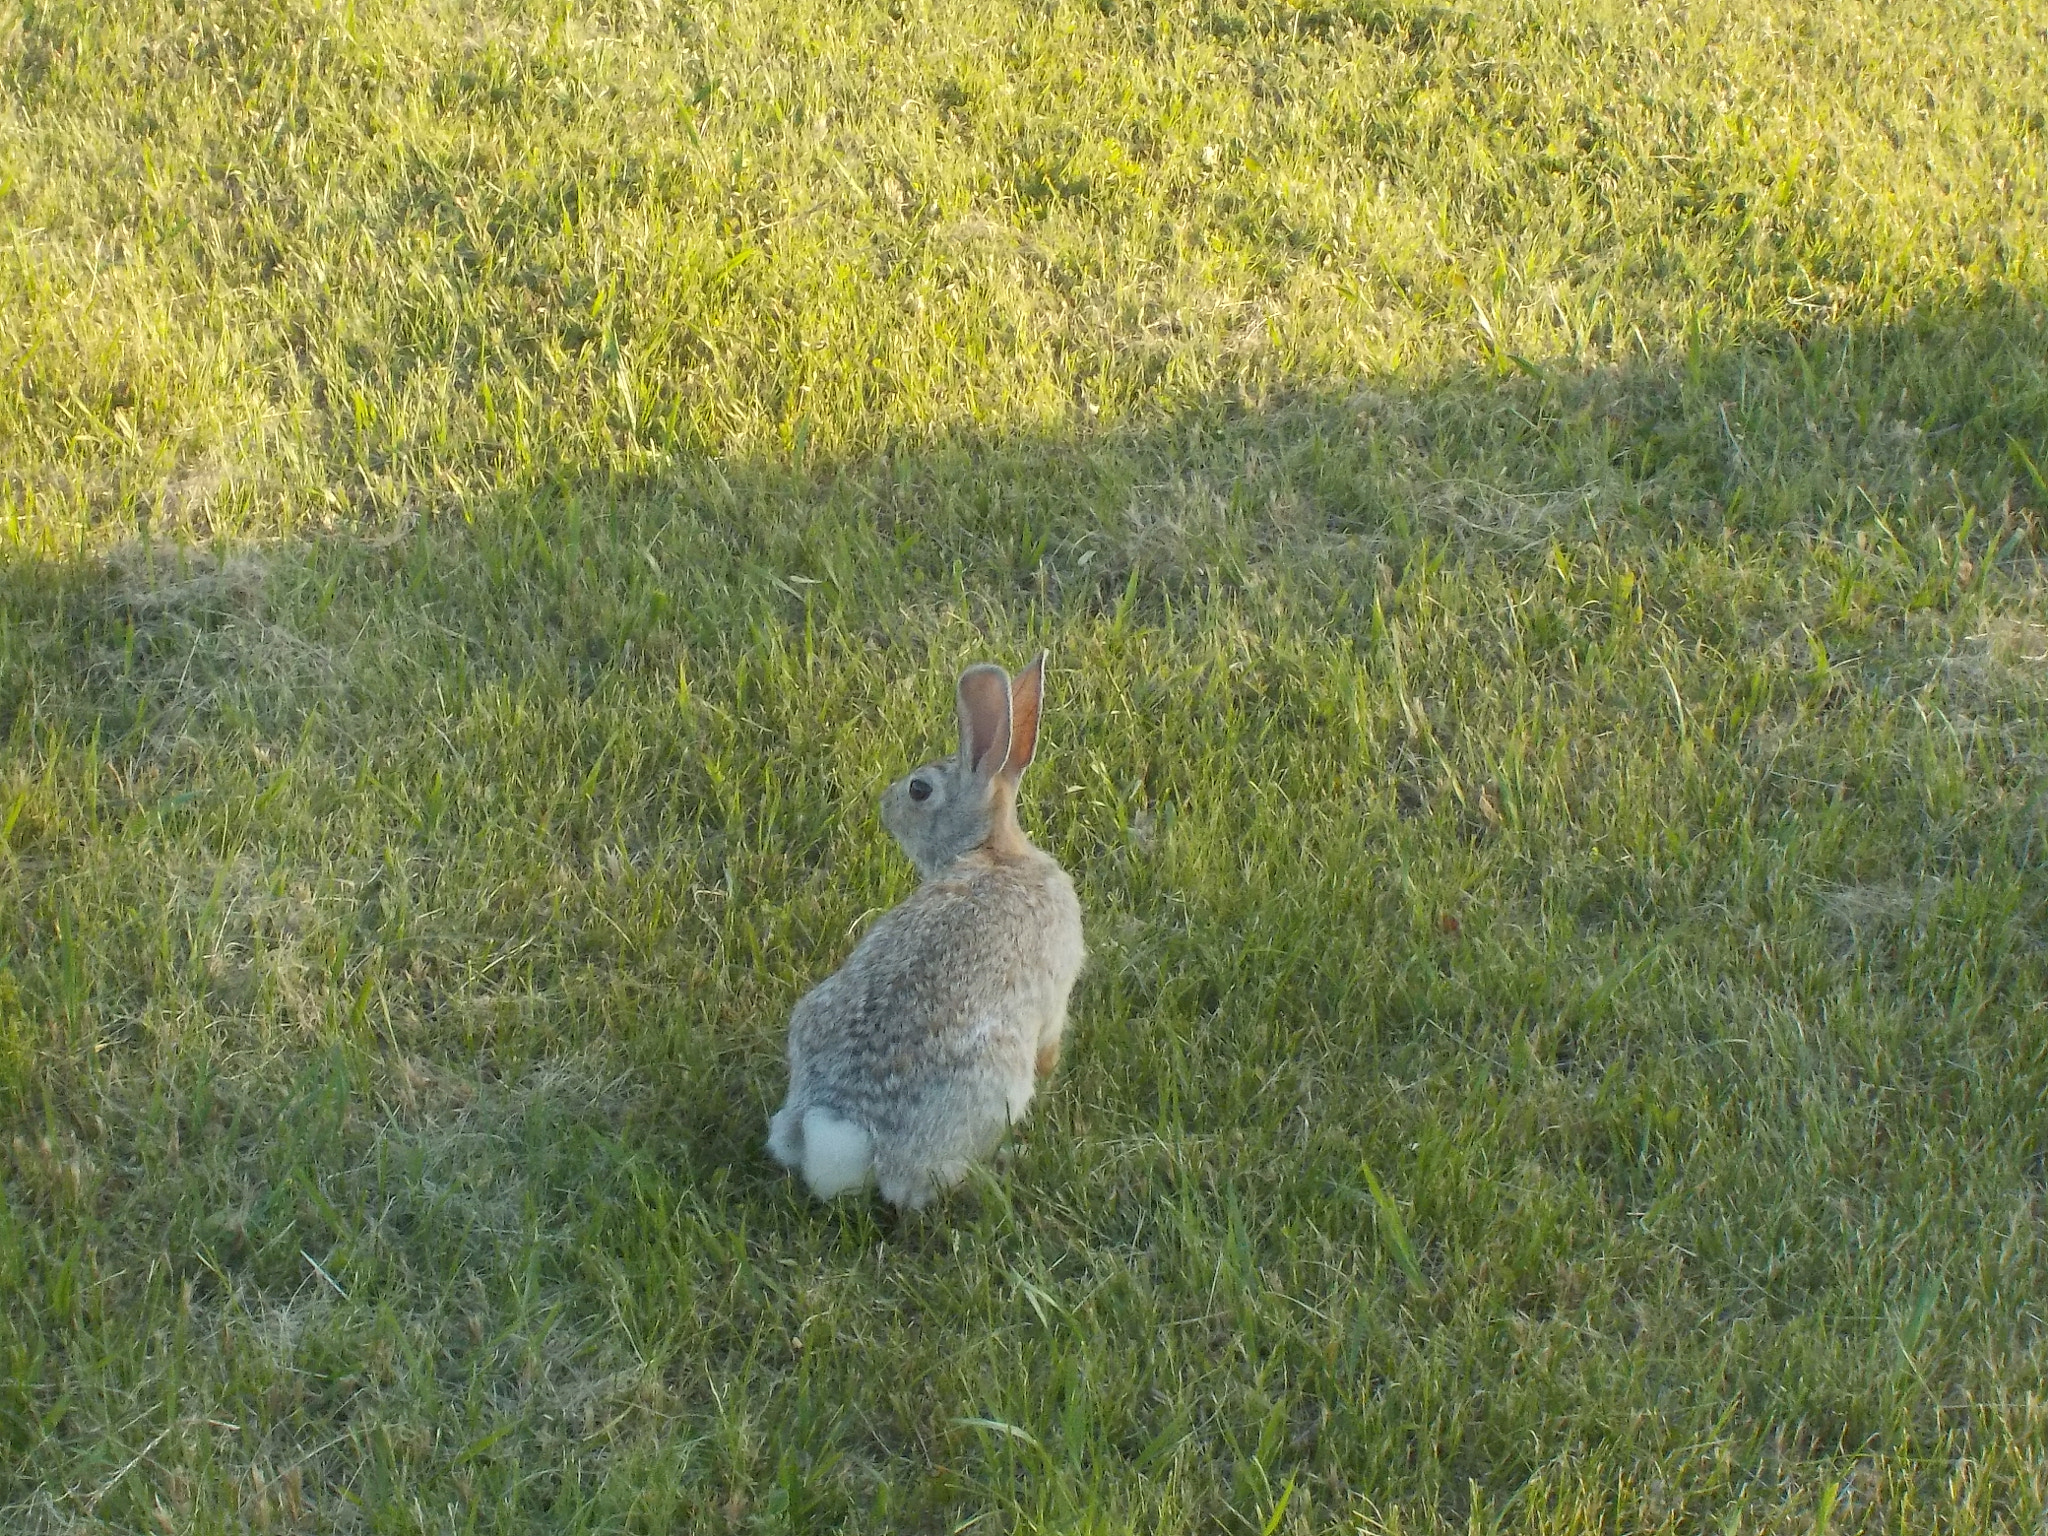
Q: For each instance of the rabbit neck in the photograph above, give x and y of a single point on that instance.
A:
(1006, 840)
(1005, 843)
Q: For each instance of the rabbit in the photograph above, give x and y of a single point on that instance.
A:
(908, 1063)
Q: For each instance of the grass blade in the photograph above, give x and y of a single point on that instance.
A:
(1393, 1228)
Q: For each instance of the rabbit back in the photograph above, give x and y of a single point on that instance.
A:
(914, 1057)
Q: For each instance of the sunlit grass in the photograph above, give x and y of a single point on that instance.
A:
(1536, 514)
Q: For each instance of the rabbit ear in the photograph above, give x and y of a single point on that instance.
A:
(1027, 694)
(984, 719)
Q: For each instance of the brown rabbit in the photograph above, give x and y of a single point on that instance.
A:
(907, 1064)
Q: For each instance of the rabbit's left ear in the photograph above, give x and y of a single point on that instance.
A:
(1027, 697)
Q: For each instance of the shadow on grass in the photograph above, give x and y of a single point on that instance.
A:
(399, 930)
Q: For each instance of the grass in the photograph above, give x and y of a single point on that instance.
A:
(1537, 513)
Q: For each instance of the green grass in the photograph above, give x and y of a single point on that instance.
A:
(1538, 516)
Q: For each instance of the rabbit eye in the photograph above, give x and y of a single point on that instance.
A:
(920, 789)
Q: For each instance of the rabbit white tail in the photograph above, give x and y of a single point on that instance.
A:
(835, 1155)
(838, 1155)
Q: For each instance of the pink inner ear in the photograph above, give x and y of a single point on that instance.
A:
(1027, 695)
(984, 717)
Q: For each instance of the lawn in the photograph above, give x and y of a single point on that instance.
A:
(1538, 516)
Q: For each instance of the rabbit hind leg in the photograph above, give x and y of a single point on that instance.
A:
(911, 1185)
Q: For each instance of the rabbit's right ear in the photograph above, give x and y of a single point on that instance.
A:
(984, 719)
(1027, 695)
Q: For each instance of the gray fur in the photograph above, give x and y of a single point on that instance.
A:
(932, 1035)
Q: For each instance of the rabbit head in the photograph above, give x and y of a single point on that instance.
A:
(956, 804)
